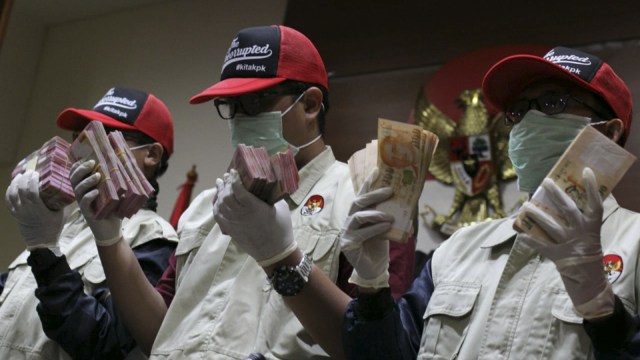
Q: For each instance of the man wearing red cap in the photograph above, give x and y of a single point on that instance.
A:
(59, 278)
(273, 91)
(490, 292)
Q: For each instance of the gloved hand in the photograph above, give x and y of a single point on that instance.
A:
(40, 226)
(261, 230)
(577, 252)
(360, 239)
(106, 231)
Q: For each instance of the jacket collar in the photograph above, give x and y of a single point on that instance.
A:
(311, 173)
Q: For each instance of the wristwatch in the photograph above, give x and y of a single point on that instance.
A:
(289, 280)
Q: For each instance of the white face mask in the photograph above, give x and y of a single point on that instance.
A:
(537, 142)
(264, 130)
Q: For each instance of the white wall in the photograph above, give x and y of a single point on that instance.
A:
(173, 49)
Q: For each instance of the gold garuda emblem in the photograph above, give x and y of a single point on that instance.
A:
(472, 156)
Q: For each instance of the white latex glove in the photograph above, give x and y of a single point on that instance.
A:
(360, 239)
(40, 226)
(577, 252)
(261, 230)
(105, 231)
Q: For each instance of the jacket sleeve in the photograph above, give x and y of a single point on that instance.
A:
(617, 337)
(166, 286)
(401, 268)
(87, 326)
(376, 327)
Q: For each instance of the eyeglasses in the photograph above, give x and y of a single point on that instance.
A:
(549, 104)
(251, 104)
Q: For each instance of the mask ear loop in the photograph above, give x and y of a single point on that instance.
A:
(139, 147)
(295, 102)
(309, 143)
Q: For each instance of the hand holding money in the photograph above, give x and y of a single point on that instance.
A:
(85, 181)
(122, 188)
(575, 245)
(52, 164)
(562, 219)
(39, 226)
(402, 154)
(361, 241)
(268, 178)
(263, 231)
(608, 161)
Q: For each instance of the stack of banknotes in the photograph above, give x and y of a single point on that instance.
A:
(52, 164)
(609, 162)
(402, 153)
(268, 178)
(138, 187)
(123, 189)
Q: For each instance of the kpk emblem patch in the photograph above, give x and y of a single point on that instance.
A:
(612, 267)
(314, 205)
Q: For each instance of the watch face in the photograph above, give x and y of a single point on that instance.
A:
(288, 282)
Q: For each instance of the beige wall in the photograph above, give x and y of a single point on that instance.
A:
(172, 49)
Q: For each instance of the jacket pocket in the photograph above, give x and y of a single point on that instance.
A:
(566, 338)
(446, 319)
(322, 247)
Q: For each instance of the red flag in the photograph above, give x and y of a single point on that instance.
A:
(184, 198)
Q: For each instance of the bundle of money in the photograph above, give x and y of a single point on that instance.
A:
(609, 162)
(85, 148)
(52, 164)
(286, 171)
(138, 187)
(123, 189)
(403, 153)
(268, 178)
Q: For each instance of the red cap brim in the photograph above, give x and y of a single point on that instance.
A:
(509, 77)
(76, 120)
(235, 87)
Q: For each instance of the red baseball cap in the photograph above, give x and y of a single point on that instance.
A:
(264, 56)
(125, 109)
(511, 75)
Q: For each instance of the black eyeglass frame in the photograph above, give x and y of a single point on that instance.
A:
(513, 117)
(256, 101)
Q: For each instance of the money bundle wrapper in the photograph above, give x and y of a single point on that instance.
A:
(403, 154)
(138, 187)
(608, 160)
(52, 164)
(268, 178)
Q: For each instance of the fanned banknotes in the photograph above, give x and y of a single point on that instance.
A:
(403, 153)
(268, 178)
(52, 164)
(590, 148)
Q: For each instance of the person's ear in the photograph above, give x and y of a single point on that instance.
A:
(614, 129)
(312, 101)
(154, 155)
